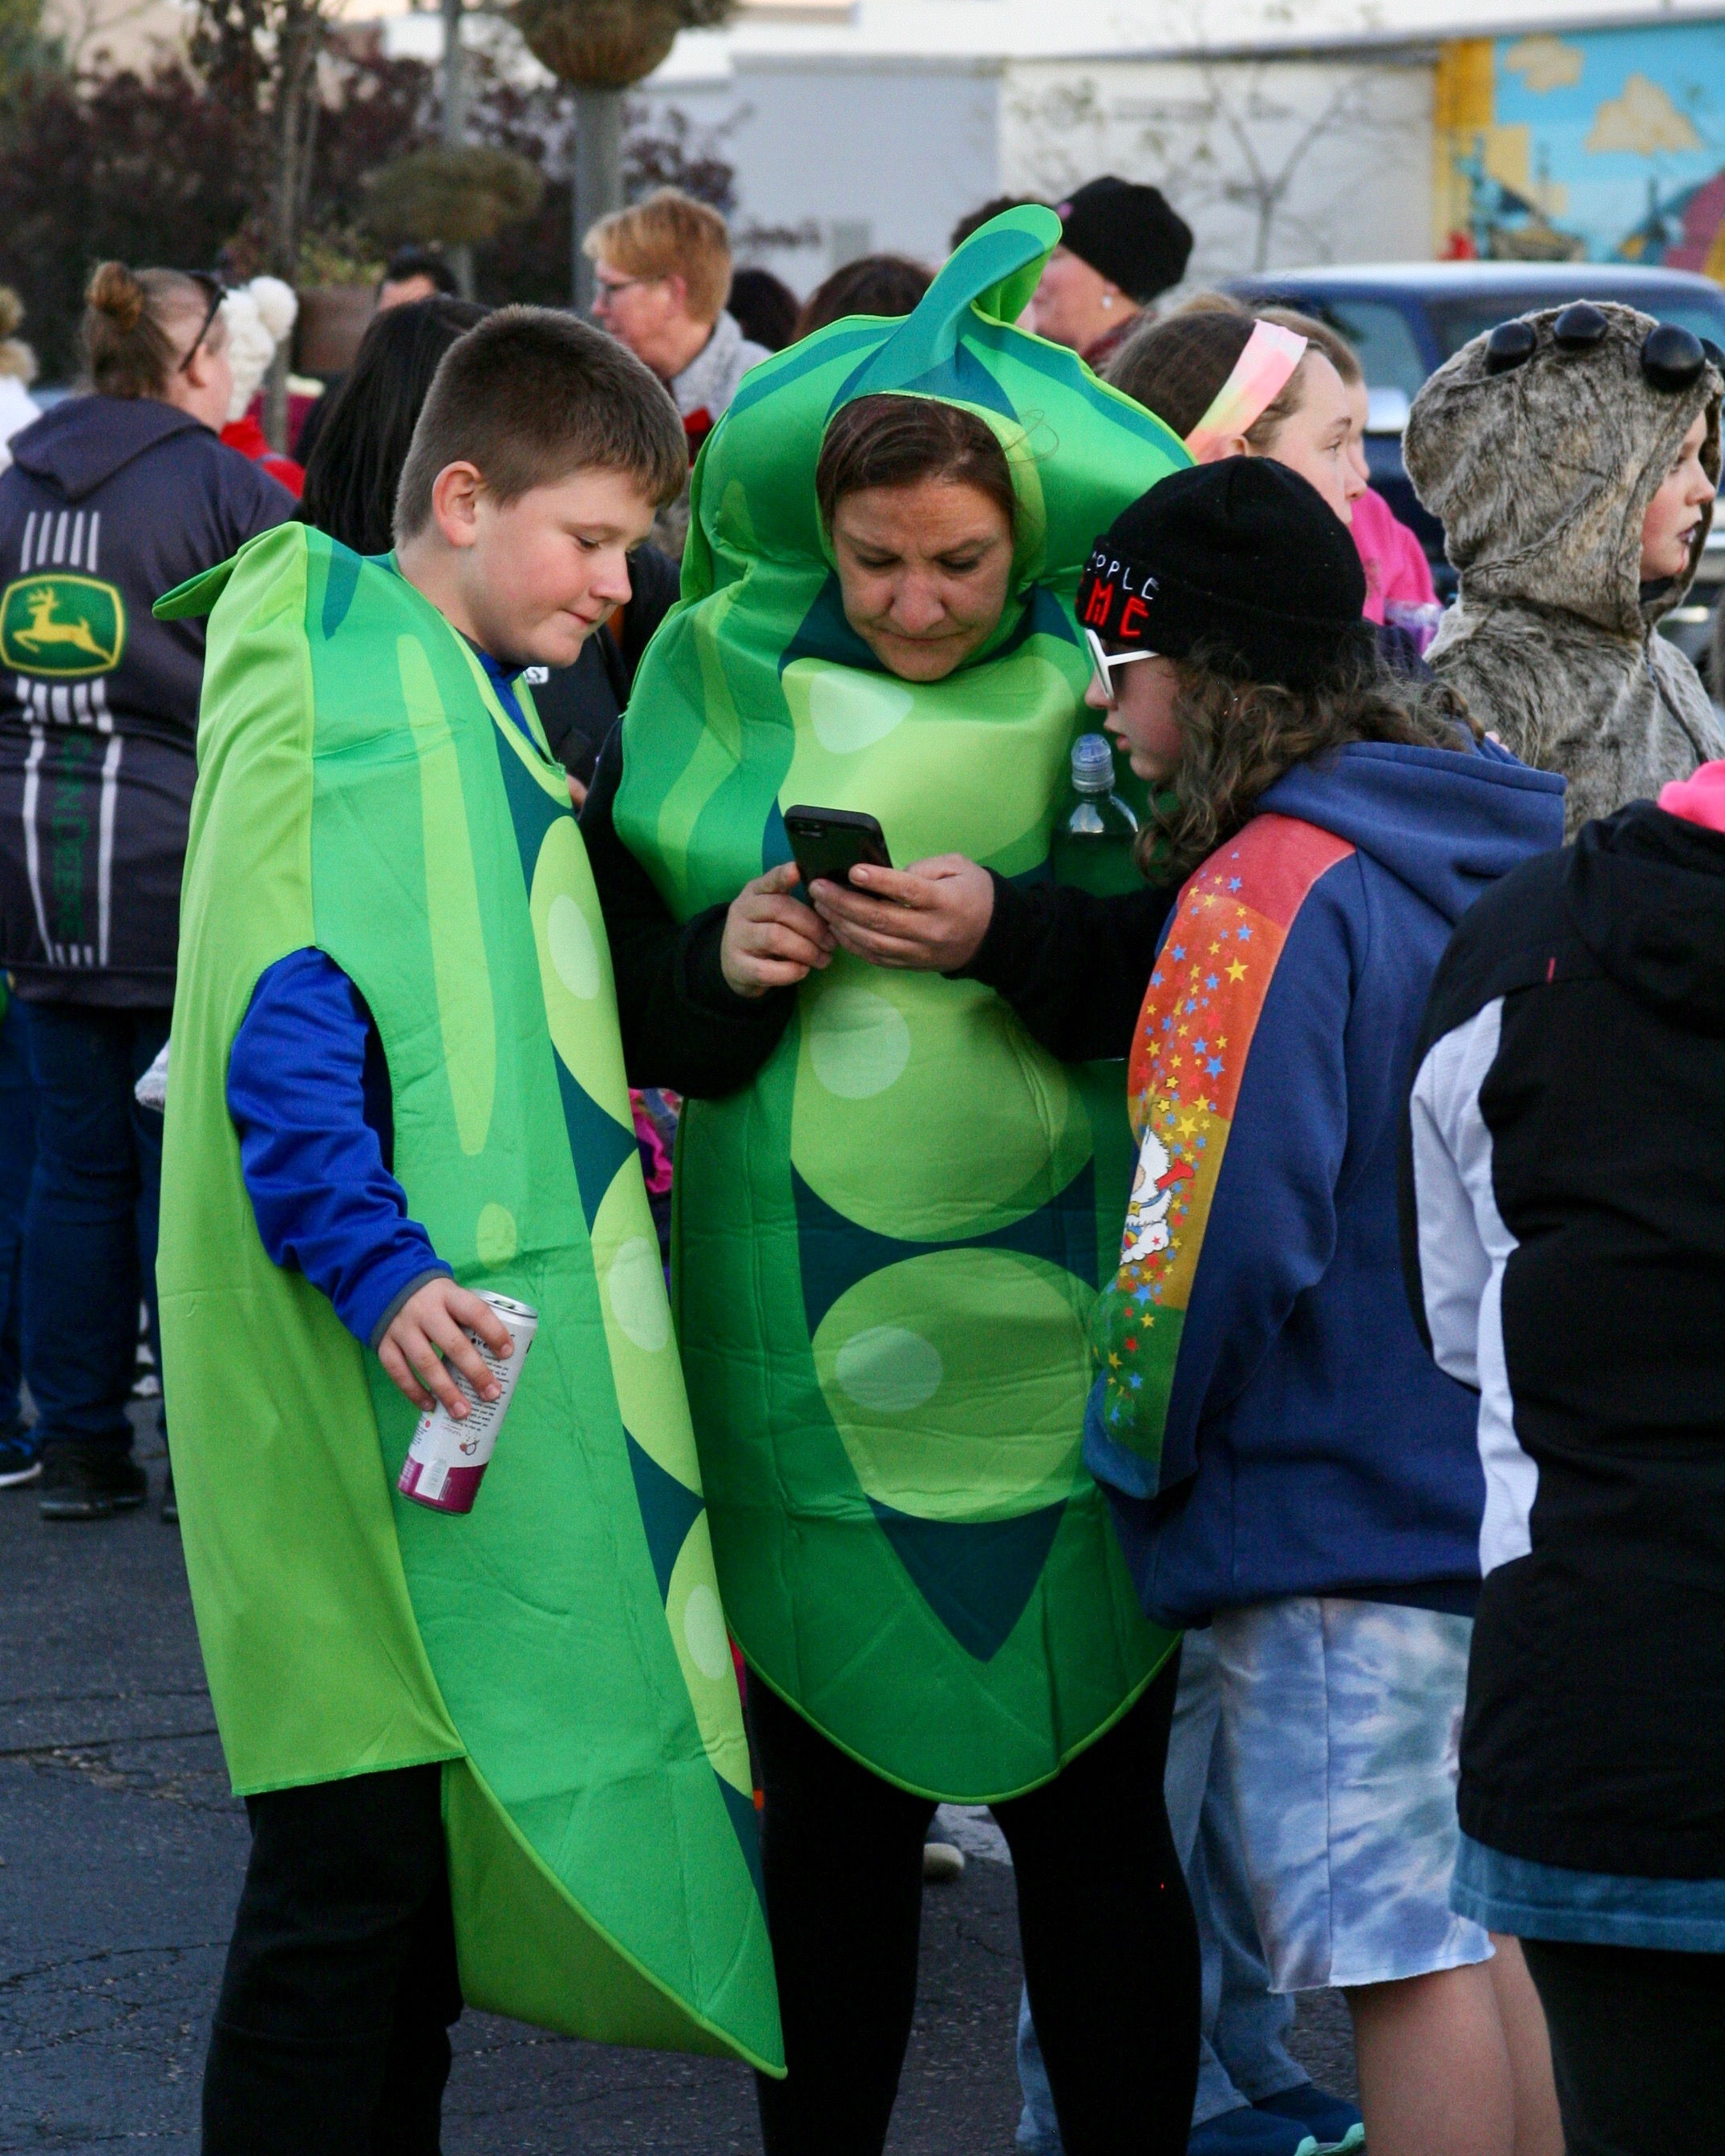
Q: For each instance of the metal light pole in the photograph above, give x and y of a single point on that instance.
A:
(455, 125)
(597, 172)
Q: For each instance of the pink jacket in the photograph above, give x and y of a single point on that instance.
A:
(1395, 563)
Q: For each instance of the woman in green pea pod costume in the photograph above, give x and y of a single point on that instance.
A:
(889, 1228)
(561, 1648)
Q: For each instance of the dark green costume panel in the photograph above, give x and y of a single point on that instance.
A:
(888, 1246)
(562, 1646)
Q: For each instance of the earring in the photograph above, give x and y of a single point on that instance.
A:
(1107, 299)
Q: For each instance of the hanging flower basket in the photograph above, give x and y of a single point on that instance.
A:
(608, 44)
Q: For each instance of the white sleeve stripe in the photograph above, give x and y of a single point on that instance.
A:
(1464, 1247)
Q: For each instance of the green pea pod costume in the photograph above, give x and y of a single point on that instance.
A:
(887, 1247)
(563, 1647)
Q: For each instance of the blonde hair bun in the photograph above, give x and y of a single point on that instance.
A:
(116, 292)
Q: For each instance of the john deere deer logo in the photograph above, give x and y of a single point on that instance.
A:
(62, 626)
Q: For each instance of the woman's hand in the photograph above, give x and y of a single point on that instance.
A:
(441, 1316)
(771, 940)
(930, 917)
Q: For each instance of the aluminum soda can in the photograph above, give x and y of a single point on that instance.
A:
(447, 1458)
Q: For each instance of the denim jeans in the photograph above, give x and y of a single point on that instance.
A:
(89, 1238)
(17, 1153)
(1241, 2057)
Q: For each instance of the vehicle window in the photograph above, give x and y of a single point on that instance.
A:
(1384, 337)
(1459, 322)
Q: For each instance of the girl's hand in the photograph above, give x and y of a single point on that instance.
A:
(441, 1316)
(930, 917)
(772, 941)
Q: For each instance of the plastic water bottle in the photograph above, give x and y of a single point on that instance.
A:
(1093, 846)
(1100, 812)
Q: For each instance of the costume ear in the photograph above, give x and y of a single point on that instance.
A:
(993, 274)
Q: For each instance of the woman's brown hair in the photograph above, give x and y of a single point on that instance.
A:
(871, 284)
(1173, 366)
(135, 324)
(897, 441)
(1239, 737)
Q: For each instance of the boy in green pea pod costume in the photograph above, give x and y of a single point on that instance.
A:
(888, 1237)
(511, 1740)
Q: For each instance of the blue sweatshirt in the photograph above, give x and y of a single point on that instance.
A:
(1310, 1445)
(308, 1089)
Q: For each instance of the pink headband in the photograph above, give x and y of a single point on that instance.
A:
(1261, 374)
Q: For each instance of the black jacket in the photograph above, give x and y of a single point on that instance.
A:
(1073, 966)
(109, 502)
(1563, 1226)
(684, 1027)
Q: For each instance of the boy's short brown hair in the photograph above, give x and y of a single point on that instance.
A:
(530, 395)
(670, 234)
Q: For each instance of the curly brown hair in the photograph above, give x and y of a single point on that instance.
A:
(1238, 737)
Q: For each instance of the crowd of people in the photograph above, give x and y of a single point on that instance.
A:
(1209, 1347)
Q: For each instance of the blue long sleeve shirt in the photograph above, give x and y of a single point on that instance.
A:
(308, 1089)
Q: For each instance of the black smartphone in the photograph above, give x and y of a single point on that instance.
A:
(827, 843)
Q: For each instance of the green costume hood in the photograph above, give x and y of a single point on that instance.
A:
(563, 1647)
(888, 1246)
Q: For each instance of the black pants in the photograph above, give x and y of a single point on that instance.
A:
(1638, 2043)
(1110, 1952)
(331, 2033)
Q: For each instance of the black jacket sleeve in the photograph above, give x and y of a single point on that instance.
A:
(684, 1027)
(657, 581)
(1074, 966)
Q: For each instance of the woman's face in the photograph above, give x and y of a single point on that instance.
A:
(1668, 529)
(1316, 439)
(924, 572)
(1360, 410)
(1143, 719)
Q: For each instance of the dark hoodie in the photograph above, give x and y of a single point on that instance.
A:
(1564, 1234)
(1298, 1441)
(109, 502)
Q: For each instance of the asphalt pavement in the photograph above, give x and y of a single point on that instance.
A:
(121, 1852)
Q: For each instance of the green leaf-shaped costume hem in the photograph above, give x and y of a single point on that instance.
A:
(563, 1647)
(888, 1246)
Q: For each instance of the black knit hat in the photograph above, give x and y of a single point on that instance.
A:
(1243, 556)
(1128, 234)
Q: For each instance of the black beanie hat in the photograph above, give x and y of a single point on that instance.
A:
(1127, 233)
(1243, 556)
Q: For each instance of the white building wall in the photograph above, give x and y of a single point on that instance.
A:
(858, 156)
(1274, 164)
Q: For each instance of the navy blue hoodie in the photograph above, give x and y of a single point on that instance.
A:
(108, 503)
(1310, 1445)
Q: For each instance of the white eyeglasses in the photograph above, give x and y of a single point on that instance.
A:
(1101, 664)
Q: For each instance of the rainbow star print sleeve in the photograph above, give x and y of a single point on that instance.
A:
(1196, 1030)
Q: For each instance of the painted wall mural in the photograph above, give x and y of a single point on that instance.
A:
(1605, 146)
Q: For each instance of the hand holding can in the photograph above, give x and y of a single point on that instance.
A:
(450, 1454)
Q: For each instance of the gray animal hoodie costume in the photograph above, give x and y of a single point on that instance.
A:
(1542, 475)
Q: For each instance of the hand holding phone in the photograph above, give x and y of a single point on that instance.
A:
(929, 918)
(773, 939)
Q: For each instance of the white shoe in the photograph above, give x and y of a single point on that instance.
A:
(943, 1863)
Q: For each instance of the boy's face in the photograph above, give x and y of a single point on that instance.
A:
(539, 574)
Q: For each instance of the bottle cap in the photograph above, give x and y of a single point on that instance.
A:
(1093, 764)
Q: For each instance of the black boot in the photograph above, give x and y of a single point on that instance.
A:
(82, 1481)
